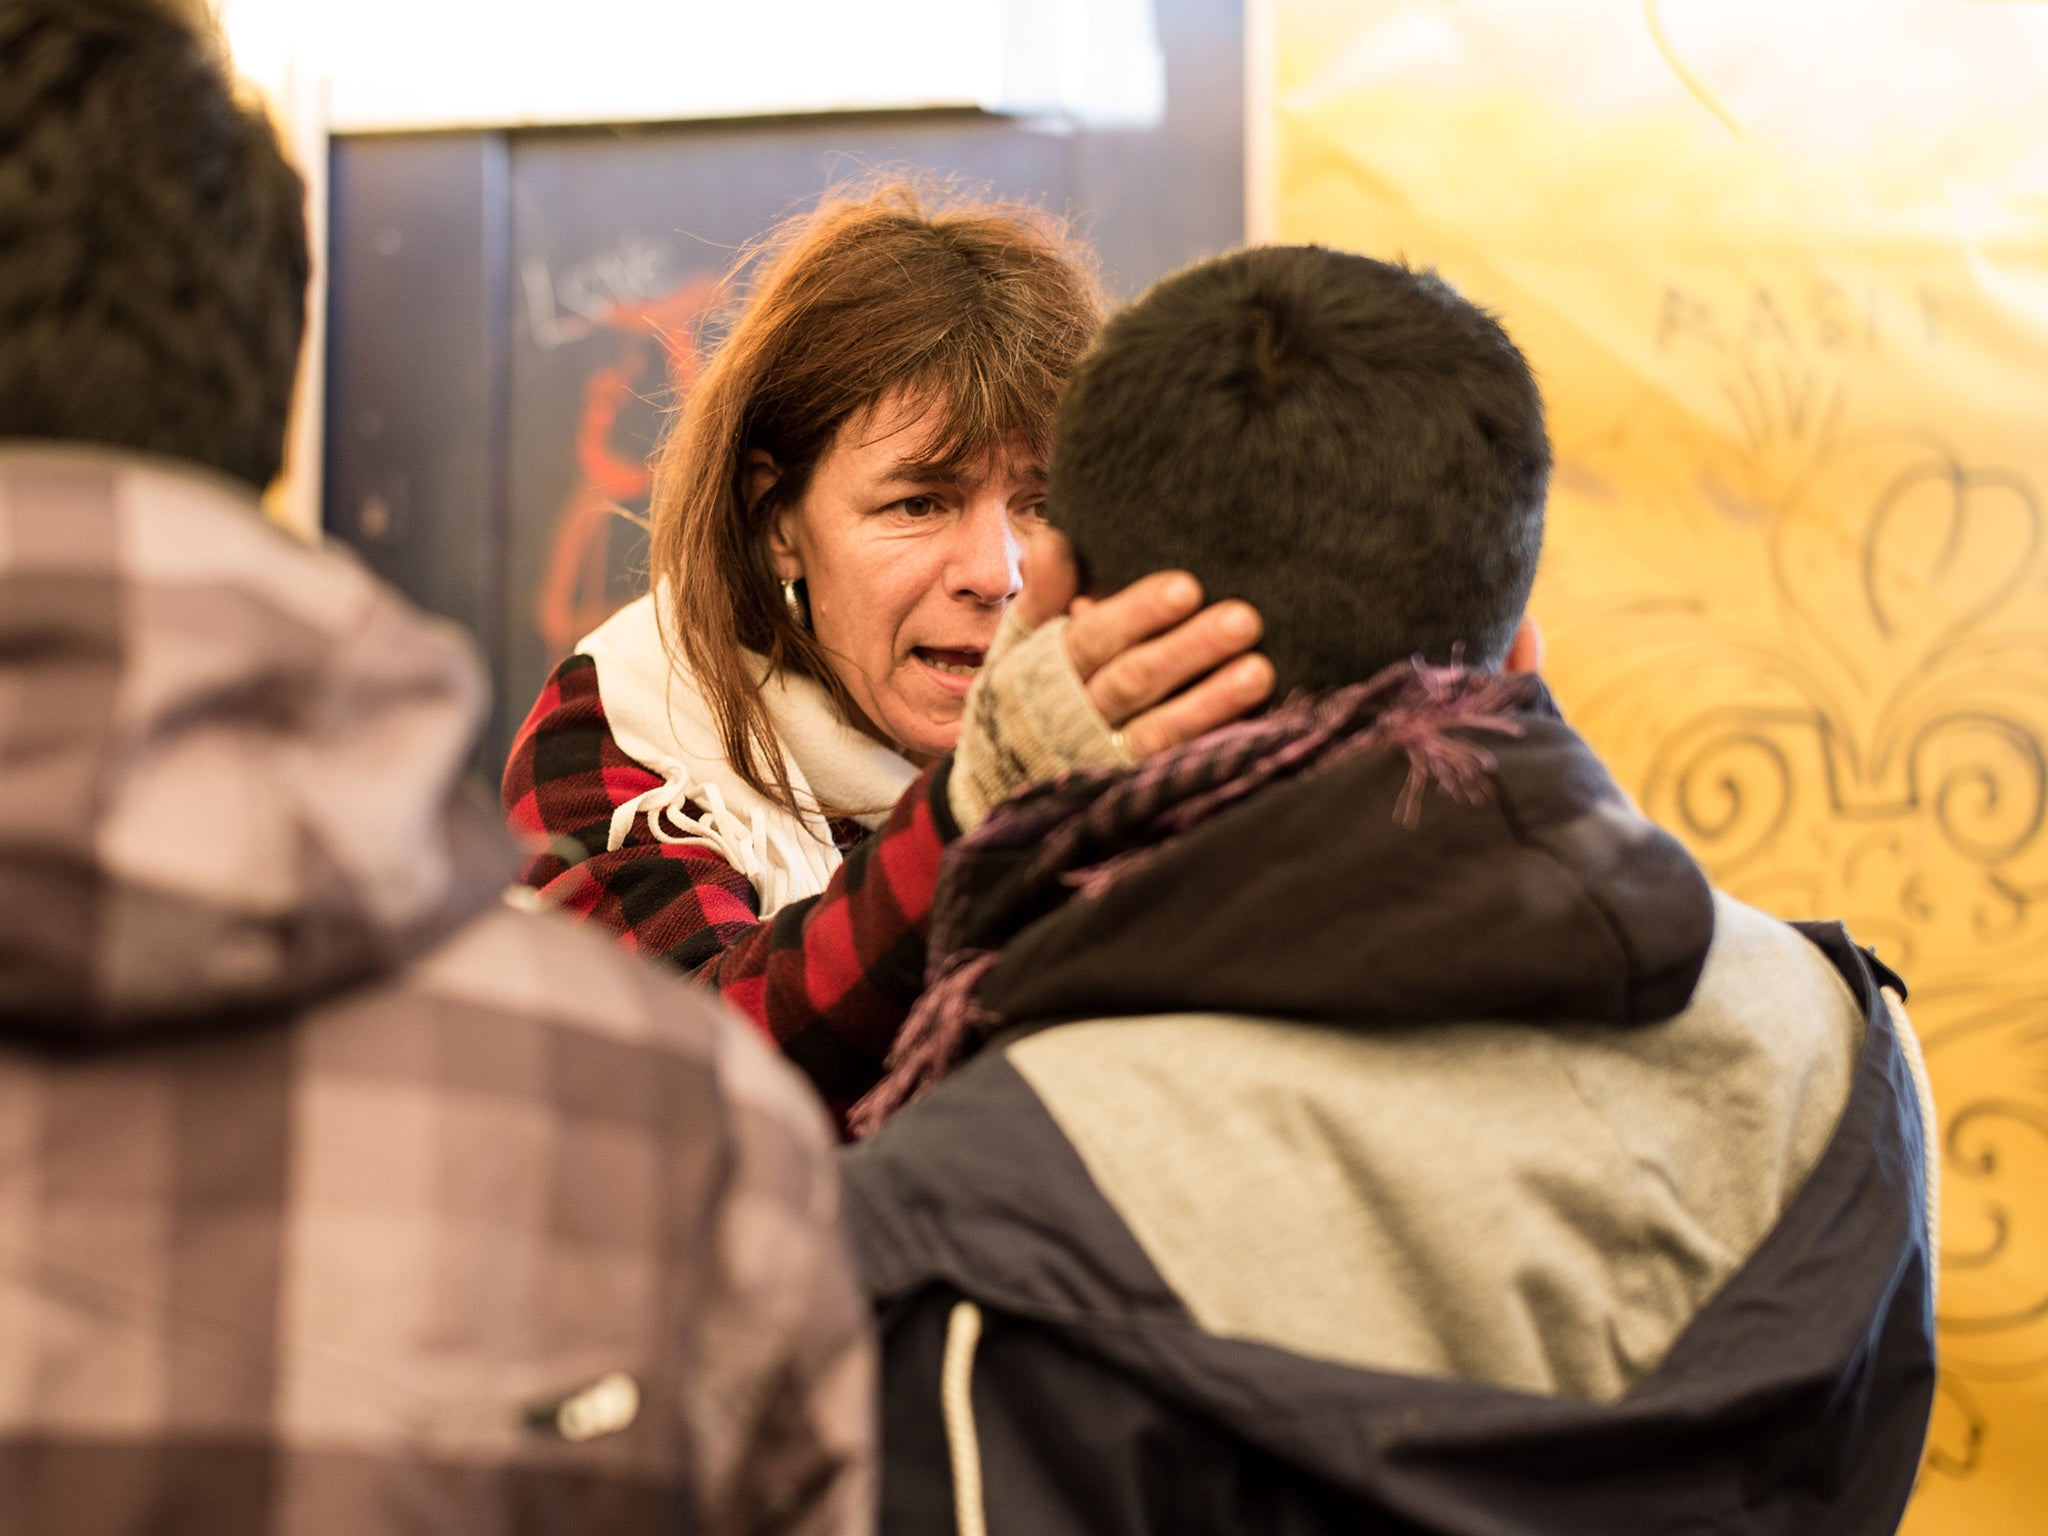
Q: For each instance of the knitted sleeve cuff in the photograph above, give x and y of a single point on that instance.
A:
(1028, 720)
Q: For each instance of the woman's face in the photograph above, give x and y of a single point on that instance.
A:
(908, 569)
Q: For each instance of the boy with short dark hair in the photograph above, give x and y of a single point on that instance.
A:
(1362, 1119)
(1349, 445)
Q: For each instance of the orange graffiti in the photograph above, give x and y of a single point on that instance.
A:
(572, 598)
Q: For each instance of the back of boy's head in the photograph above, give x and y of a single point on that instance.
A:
(152, 239)
(1346, 444)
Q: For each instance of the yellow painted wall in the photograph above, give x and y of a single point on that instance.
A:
(1783, 271)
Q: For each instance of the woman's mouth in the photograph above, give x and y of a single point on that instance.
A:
(961, 664)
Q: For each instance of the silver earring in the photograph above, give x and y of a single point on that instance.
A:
(794, 604)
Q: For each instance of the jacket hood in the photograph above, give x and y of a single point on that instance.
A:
(1549, 898)
(1796, 1400)
(231, 765)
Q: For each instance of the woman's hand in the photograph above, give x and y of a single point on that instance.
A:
(1136, 651)
(1071, 683)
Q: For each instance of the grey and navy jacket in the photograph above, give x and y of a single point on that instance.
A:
(1488, 1175)
(335, 1195)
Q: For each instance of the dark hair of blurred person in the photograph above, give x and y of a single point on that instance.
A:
(152, 241)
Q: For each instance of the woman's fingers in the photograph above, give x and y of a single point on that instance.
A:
(1218, 699)
(1110, 629)
(1148, 671)
(1156, 664)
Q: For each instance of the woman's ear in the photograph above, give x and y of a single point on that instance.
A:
(1525, 651)
(757, 478)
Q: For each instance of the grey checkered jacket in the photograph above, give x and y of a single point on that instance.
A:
(336, 1196)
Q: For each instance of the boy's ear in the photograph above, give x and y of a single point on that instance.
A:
(1525, 651)
(1049, 586)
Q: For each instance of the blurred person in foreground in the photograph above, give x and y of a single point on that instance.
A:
(334, 1195)
(1361, 1119)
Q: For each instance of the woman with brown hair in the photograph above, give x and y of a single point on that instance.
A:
(752, 771)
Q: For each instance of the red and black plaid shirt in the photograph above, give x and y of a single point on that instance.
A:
(829, 978)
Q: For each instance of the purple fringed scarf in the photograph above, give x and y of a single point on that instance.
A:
(1082, 833)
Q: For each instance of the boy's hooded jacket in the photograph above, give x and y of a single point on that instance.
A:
(1323, 1172)
(336, 1196)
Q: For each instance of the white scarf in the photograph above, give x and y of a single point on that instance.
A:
(661, 720)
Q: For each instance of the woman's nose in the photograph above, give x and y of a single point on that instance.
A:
(987, 557)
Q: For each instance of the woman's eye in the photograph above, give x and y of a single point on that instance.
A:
(916, 506)
(1029, 517)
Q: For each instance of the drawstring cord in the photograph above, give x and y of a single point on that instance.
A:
(956, 1407)
(765, 854)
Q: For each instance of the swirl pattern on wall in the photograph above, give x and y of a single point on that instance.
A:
(1854, 727)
